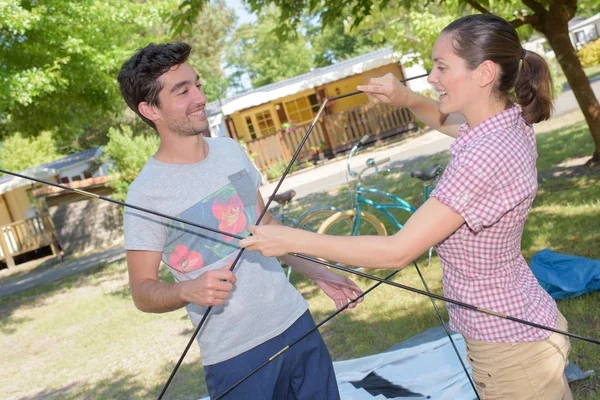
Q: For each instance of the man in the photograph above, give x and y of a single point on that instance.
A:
(213, 183)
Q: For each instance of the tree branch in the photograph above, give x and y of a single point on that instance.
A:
(478, 7)
(538, 8)
(524, 20)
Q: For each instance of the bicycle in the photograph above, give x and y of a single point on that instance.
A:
(357, 221)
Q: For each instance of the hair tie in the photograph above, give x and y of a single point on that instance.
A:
(523, 54)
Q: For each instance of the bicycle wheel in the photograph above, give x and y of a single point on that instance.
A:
(312, 219)
(341, 224)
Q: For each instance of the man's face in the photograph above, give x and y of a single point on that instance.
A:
(182, 102)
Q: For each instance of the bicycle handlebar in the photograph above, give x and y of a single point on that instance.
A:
(371, 163)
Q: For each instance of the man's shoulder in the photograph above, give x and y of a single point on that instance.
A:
(224, 142)
(145, 179)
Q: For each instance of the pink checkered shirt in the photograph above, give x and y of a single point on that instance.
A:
(491, 181)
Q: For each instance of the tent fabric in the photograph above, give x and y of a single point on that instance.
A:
(564, 276)
(430, 369)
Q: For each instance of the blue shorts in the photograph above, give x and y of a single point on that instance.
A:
(302, 372)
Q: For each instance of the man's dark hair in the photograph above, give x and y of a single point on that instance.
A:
(138, 78)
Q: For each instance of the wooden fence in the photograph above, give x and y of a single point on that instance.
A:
(23, 236)
(334, 133)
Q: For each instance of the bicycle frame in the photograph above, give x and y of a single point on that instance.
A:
(361, 192)
(398, 204)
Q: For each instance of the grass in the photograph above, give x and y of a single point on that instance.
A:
(81, 337)
(592, 73)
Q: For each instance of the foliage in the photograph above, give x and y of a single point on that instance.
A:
(589, 55)
(276, 170)
(255, 52)
(127, 154)
(18, 152)
(60, 60)
(208, 37)
(334, 43)
(59, 63)
(410, 31)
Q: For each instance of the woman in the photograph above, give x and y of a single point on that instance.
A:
(490, 92)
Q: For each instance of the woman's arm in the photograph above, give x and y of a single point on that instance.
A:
(429, 225)
(388, 89)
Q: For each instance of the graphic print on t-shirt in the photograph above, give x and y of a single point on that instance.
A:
(230, 209)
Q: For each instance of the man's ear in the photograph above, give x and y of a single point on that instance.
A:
(148, 111)
(487, 72)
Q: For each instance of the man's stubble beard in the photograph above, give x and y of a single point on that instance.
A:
(187, 130)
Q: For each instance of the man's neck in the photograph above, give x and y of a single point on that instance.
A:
(187, 150)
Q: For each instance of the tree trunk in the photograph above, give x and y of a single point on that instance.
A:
(560, 42)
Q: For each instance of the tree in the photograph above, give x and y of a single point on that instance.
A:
(59, 64)
(208, 37)
(127, 154)
(332, 44)
(256, 51)
(264, 59)
(17, 152)
(60, 59)
(547, 17)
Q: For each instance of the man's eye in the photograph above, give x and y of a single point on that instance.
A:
(199, 86)
(183, 92)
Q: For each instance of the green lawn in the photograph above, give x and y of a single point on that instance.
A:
(592, 73)
(83, 338)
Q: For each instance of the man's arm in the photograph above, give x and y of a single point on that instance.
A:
(151, 295)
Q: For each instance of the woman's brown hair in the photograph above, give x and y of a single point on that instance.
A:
(524, 75)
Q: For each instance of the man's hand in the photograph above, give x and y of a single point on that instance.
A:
(340, 289)
(209, 289)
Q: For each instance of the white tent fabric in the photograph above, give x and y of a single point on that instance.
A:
(431, 368)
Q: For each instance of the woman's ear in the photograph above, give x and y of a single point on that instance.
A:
(148, 111)
(487, 73)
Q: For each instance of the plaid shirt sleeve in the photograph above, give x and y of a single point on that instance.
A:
(472, 194)
(483, 183)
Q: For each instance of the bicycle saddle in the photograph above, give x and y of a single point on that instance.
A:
(429, 174)
(284, 197)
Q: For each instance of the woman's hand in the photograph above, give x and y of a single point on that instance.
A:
(388, 89)
(269, 240)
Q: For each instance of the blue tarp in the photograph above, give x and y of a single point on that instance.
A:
(565, 276)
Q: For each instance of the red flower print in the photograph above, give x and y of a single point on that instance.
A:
(230, 215)
(185, 261)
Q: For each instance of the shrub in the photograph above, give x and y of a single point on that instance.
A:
(276, 170)
(589, 55)
(127, 154)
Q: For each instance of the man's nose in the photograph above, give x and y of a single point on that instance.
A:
(199, 94)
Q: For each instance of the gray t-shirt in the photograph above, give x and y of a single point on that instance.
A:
(219, 192)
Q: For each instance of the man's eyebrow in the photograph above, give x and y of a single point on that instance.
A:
(178, 85)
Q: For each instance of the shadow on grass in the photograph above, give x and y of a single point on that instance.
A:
(121, 385)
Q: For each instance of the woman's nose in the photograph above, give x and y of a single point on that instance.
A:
(431, 78)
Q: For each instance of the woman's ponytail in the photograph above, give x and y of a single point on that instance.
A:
(534, 90)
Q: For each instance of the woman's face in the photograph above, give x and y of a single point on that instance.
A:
(452, 80)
